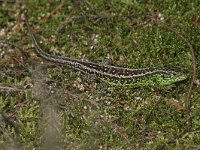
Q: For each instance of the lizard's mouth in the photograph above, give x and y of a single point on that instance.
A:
(171, 79)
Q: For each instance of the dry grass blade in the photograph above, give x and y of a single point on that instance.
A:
(194, 74)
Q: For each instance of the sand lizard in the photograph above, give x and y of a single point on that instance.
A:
(113, 75)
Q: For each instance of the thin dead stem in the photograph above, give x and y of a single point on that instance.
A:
(194, 74)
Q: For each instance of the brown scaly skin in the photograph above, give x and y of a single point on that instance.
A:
(112, 75)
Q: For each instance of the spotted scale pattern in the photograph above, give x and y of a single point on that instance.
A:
(113, 74)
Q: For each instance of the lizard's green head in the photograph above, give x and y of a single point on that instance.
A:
(171, 78)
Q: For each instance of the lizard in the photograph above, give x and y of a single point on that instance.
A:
(114, 75)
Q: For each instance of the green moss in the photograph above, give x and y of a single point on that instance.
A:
(86, 117)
